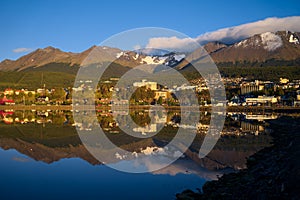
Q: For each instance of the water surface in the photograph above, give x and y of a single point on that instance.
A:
(42, 156)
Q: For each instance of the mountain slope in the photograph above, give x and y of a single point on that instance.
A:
(49, 55)
(279, 46)
(42, 57)
(57, 68)
(266, 49)
(37, 58)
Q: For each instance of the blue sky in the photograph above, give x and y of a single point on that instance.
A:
(77, 25)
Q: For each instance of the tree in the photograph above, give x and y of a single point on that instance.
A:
(143, 94)
(160, 100)
(58, 94)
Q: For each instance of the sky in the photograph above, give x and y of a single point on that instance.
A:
(77, 25)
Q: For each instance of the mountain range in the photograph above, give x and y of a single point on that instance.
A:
(262, 48)
(275, 49)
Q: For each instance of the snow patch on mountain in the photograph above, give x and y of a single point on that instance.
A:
(253, 42)
(136, 56)
(293, 39)
(242, 43)
(179, 57)
(120, 54)
(271, 41)
(152, 60)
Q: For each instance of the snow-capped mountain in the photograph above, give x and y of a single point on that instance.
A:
(42, 57)
(261, 48)
(169, 59)
(268, 48)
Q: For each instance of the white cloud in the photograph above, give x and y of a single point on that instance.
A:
(236, 33)
(229, 35)
(171, 43)
(21, 50)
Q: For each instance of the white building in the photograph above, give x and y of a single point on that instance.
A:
(261, 100)
(284, 80)
(147, 84)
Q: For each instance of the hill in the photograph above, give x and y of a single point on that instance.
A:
(263, 56)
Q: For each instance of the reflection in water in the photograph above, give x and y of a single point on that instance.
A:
(50, 136)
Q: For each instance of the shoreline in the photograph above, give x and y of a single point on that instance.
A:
(285, 109)
(271, 173)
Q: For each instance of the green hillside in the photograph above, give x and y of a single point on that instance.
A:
(272, 73)
(63, 75)
(53, 75)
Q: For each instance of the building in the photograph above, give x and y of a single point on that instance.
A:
(261, 100)
(42, 99)
(298, 95)
(201, 88)
(147, 84)
(26, 92)
(261, 117)
(284, 80)
(114, 79)
(185, 87)
(250, 87)
(163, 94)
(5, 101)
(18, 92)
(120, 102)
(41, 90)
(249, 127)
(297, 101)
(8, 91)
(256, 86)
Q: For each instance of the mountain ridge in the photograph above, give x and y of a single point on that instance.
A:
(281, 47)
(261, 47)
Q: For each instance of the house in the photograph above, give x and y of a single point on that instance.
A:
(41, 91)
(284, 80)
(5, 101)
(257, 85)
(261, 100)
(147, 84)
(8, 91)
(185, 87)
(120, 102)
(200, 88)
(42, 99)
(163, 94)
(18, 92)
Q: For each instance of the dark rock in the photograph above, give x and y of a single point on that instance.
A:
(272, 173)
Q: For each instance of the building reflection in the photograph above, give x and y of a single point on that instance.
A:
(49, 136)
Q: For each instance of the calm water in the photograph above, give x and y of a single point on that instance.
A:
(42, 156)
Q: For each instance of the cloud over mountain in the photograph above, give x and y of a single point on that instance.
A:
(228, 35)
(21, 50)
(172, 43)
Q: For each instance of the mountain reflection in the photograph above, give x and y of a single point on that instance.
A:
(50, 136)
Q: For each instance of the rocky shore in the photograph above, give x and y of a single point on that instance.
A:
(272, 173)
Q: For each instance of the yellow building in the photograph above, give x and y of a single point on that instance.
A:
(147, 84)
(284, 80)
(162, 94)
(261, 100)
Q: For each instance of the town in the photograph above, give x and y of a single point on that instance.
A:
(239, 92)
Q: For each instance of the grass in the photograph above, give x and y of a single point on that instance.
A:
(35, 79)
(63, 75)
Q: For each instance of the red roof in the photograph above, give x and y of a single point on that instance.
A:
(5, 100)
